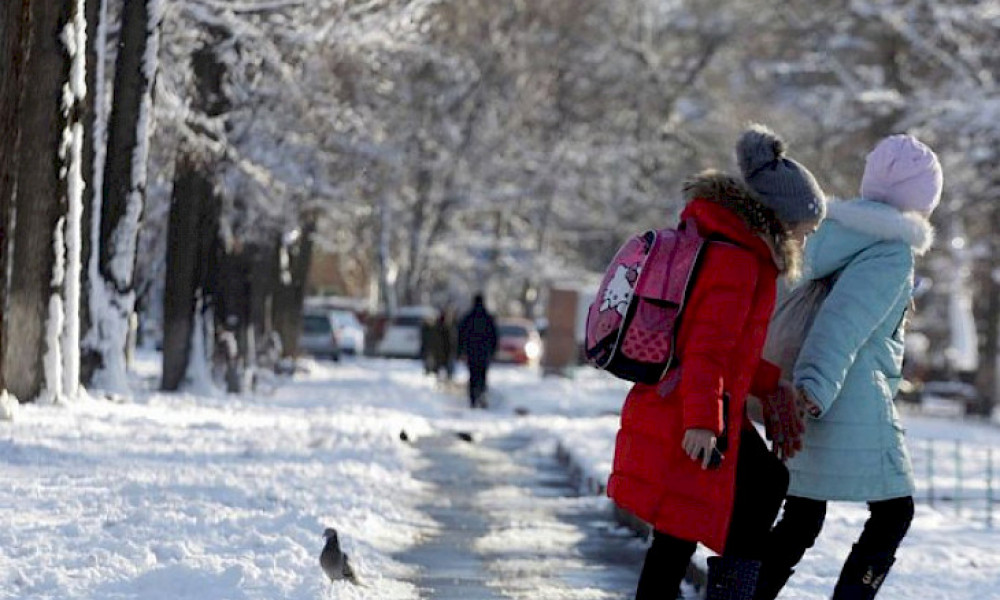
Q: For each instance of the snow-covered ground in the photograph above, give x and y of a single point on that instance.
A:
(223, 497)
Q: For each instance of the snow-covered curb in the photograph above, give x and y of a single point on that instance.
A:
(589, 482)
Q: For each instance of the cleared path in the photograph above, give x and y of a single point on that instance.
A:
(511, 526)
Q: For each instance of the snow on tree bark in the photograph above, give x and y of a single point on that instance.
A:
(124, 188)
(46, 187)
(94, 140)
(74, 38)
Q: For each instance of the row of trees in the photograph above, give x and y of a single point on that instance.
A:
(433, 146)
(78, 112)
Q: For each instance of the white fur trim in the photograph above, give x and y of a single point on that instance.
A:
(884, 221)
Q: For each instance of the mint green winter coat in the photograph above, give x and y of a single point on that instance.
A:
(851, 361)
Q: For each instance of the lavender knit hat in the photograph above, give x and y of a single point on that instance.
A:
(903, 172)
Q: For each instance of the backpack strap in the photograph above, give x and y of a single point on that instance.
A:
(690, 224)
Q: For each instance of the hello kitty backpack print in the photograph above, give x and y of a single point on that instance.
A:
(632, 324)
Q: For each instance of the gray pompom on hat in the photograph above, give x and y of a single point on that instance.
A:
(781, 184)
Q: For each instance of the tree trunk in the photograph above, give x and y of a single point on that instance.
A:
(290, 295)
(412, 282)
(383, 254)
(124, 189)
(986, 378)
(35, 306)
(191, 243)
(94, 119)
(233, 298)
(264, 277)
(193, 226)
(14, 39)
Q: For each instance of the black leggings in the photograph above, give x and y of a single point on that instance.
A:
(803, 518)
(761, 483)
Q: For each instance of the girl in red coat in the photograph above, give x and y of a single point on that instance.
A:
(663, 470)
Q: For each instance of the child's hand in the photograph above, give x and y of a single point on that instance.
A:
(784, 420)
(808, 404)
(698, 445)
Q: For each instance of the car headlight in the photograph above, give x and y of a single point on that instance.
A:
(532, 349)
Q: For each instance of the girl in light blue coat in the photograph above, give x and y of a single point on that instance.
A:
(849, 370)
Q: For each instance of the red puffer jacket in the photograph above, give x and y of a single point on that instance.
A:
(719, 344)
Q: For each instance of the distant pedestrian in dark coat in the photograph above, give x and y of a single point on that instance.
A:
(477, 341)
(428, 345)
(445, 347)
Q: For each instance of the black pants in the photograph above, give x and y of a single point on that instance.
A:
(477, 381)
(761, 483)
(796, 532)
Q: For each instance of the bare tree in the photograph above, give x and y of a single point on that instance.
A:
(94, 117)
(193, 233)
(124, 188)
(48, 183)
(14, 38)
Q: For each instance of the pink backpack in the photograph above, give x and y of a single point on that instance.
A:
(632, 324)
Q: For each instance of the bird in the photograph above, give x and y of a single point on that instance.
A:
(334, 560)
(465, 436)
(403, 435)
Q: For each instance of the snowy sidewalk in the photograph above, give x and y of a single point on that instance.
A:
(212, 497)
(510, 525)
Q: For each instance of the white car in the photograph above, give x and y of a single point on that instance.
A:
(402, 334)
(318, 337)
(350, 332)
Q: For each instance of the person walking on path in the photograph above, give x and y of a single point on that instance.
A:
(849, 370)
(668, 433)
(477, 341)
(445, 343)
(428, 345)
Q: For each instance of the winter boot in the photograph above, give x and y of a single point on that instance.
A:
(771, 580)
(731, 578)
(862, 576)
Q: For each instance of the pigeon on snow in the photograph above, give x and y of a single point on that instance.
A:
(334, 561)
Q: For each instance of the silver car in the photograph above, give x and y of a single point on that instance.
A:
(319, 335)
(402, 336)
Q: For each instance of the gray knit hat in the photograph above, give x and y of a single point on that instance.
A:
(782, 184)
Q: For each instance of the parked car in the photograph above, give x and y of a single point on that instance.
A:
(518, 341)
(402, 333)
(350, 332)
(319, 336)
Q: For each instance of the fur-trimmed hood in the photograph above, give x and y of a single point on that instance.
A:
(884, 222)
(852, 226)
(758, 221)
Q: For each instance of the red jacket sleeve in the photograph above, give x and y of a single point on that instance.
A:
(713, 321)
(765, 379)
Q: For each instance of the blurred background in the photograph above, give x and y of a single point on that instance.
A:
(373, 162)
